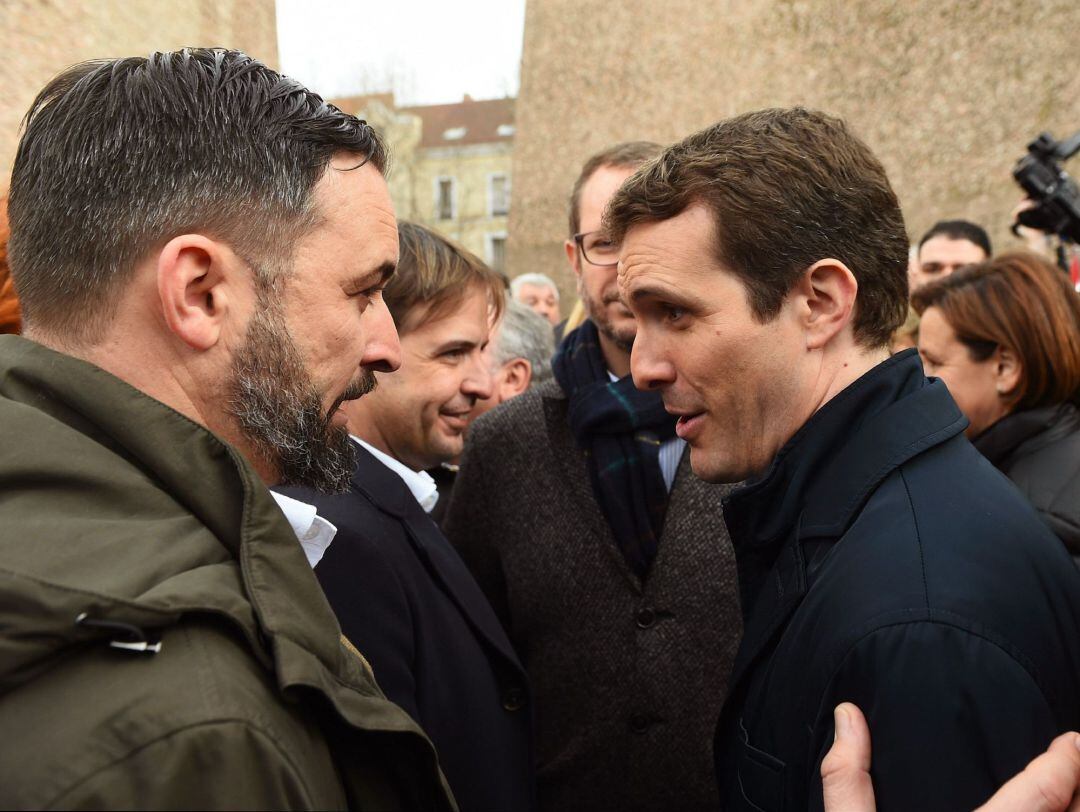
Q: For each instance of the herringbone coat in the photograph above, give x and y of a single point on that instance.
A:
(627, 677)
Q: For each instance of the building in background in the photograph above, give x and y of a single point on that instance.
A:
(39, 39)
(450, 167)
(946, 94)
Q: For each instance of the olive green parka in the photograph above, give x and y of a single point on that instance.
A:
(125, 529)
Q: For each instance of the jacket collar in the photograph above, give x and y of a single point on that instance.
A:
(387, 493)
(272, 597)
(1011, 431)
(381, 486)
(822, 477)
(816, 486)
(420, 483)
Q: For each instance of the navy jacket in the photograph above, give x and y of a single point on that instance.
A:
(404, 597)
(883, 561)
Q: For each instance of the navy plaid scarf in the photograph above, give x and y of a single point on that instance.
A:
(620, 429)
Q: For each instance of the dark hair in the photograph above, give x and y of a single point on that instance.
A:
(1022, 302)
(959, 230)
(630, 154)
(786, 188)
(433, 276)
(119, 156)
(10, 320)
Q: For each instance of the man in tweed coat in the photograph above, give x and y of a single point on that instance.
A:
(627, 634)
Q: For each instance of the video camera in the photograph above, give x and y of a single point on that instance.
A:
(1055, 194)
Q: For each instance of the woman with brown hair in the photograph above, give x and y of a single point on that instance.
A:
(1004, 335)
(10, 318)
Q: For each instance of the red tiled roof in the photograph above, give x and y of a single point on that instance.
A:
(480, 119)
(354, 104)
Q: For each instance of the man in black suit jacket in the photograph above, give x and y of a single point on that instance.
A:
(402, 594)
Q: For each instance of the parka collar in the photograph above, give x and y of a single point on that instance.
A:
(209, 478)
(824, 474)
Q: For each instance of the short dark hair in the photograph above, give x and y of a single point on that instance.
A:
(433, 276)
(1022, 302)
(629, 154)
(959, 230)
(118, 156)
(786, 188)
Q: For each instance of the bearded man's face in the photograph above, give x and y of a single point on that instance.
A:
(318, 332)
(280, 411)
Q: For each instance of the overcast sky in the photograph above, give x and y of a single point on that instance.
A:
(428, 51)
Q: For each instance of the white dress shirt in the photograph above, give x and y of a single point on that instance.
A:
(671, 451)
(419, 483)
(312, 531)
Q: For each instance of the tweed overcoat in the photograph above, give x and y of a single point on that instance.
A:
(628, 677)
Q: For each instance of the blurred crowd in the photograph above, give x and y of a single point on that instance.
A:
(304, 506)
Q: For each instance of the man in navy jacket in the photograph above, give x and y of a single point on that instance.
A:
(881, 560)
(402, 594)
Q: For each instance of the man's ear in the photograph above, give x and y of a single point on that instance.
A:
(515, 379)
(192, 286)
(826, 299)
(1007, 371)
(572, 257)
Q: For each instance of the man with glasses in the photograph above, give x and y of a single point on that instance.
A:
(618, 590)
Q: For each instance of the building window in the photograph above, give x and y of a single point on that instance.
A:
(498, 195)
(444, 199)
(496, 245)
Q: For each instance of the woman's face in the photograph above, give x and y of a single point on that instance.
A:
(975, 385)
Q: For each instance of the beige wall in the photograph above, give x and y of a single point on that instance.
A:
(947, 94)
(470, 167)
(38, 38)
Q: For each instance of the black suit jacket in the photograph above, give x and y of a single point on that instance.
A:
(404, 597)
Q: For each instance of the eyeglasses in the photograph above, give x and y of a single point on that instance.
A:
(597, 249)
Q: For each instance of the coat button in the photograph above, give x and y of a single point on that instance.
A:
(513, 699)
(639, 723)
(645, 618)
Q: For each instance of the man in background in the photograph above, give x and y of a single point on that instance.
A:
(606, 559)
(520, 357)
(520, 353)
(399, 590)
(538, 292)
(947, 246)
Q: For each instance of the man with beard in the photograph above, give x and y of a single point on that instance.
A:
(400, 591)
(607, 561)
(200, 246)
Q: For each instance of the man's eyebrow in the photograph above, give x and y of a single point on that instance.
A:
(379, 276)
(647, 291)
(456, 344)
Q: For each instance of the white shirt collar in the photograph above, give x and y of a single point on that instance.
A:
(419, 483)
(312, 531)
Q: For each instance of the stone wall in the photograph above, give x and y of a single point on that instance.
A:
(39, 38)
(947, 94)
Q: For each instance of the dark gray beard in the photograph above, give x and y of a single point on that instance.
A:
(280, 411)
(595, 312)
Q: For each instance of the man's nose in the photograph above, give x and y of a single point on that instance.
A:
(648, 365)
(479, 382)
(383, 350)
